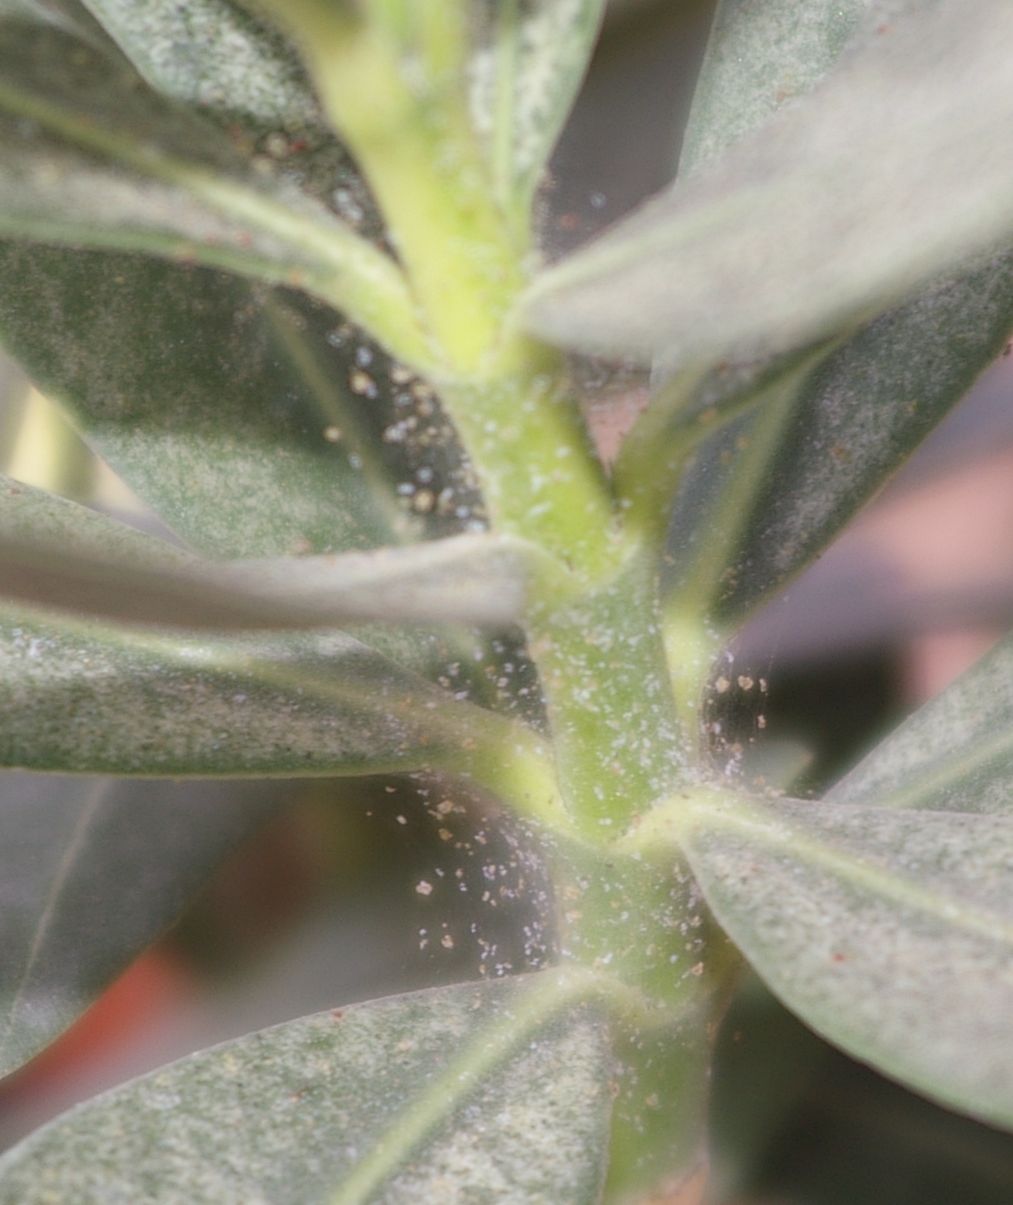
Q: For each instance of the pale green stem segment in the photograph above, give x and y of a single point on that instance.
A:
(443, 38)
(351, 273)
(414, 141)
(539, 478)
(638, 921)
(691, 650)
(615, 732)
(545, 998)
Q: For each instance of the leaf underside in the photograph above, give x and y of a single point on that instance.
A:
(767, 494)
(888, 931)
(80, 698)
(954, 754)
(890, 172)
(93, 870)
(57, 555)
(286, 1114)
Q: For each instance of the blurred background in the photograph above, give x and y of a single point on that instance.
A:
(322, 905)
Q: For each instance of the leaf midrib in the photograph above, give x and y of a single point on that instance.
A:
(955, 769)
(783, 834)
(58, 883)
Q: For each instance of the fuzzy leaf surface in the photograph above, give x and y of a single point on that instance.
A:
(766, 494)
(92, 871)
(953, 754)
(453, 1093)
(525, 75)
(231, 414)
(761, 57)
(890, 172)
(55, 554)
(79, 697)
(238, 72)
(215, 55)
(890, 932)
(94, 158)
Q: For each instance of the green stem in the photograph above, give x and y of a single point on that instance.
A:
(530, 452)
(597, 647)
(617, 740)
(637, 920)
(691, 648)
(423, 161)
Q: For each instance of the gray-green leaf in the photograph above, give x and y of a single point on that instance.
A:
(486, 1092)
(241, 74)
(890, 932)
(891, 171)
(765, 496)
(78, 697)
(525, 74)
(231, 413)
(55, 554)
(93, 871)
(215, 55)
(94, 158)
(953, 754)
(761, 57)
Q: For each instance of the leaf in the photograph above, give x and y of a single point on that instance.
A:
(95, 159)
(231, 416)
(492, 1091)
(798, 1143)
(255, 426)
(953, 754)
(215, 55)
(239, 73)
(81, 698)
(770, 492)
(69, 15)
(229, 408)
(889, 932)
(468, 579)
(54, 554)
(525, 75)
(890, 172)
(93, 871)
(761, 57)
